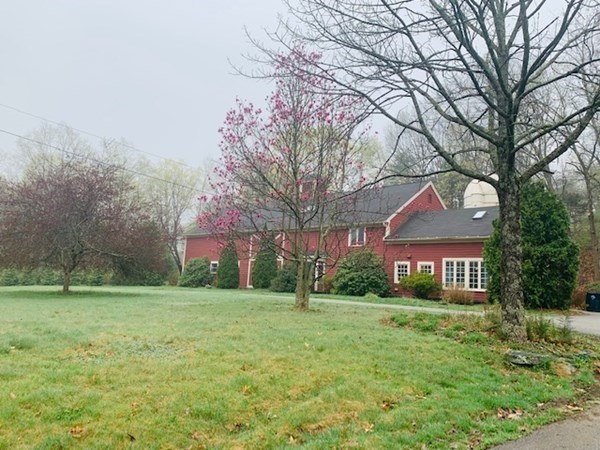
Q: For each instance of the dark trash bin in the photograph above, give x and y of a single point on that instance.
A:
(592, 301)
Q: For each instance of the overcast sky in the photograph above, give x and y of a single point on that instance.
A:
(154, 72)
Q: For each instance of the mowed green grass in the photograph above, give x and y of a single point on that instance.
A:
(174, 368)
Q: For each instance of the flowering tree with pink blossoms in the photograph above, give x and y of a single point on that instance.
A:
(288, 169)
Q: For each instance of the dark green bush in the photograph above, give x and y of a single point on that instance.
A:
(550, 256)
(49, 277)
(138, 277)
(422, 285)
(228, 272)
(9, 277)
(94, 278)
(27, 277)
(196, 273)
(285, 279)
(264, 268)
(359, 273)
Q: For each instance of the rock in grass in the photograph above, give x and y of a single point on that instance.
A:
(521, 358)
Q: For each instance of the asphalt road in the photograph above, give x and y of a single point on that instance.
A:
(580, 432)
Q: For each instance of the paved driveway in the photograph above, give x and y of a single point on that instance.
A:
(585, 322)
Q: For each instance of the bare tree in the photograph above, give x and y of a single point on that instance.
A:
(586, 164)
(171, 189)
(467, 64)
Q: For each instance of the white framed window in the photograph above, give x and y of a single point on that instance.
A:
(465, 273)
(401, 270)
(357, 237)
(214, 266)
(425, 267)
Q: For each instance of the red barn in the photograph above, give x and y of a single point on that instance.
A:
(408, 225)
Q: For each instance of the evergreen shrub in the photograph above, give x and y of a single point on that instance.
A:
(422, 285)
(359, 273)
(285, 279)
(228, 272)
(550, 256)
(196, 273)
(264, 268)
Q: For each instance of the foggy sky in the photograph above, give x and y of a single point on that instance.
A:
(153, 72)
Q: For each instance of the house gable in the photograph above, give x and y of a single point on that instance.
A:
(426, 199)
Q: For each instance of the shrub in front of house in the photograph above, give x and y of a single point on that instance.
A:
(359, 273)
(457, 295)
(421, 285)
(228, 272)
(285, 279)
(196, 273)
(264, 268)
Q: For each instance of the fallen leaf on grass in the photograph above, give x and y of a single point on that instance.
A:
(386, 405)
(574, 408)
(77, 431)
(197, 435)
(510, 414)
(12, 396)
(368, 427)
(131, 437)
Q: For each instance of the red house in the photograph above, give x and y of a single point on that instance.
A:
(407, 224)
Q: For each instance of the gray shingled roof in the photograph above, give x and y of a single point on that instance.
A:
(378, 204)
(446, 224)
(364, 207)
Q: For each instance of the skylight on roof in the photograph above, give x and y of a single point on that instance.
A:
(479, 215)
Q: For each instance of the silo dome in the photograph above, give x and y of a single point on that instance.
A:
(479, 193)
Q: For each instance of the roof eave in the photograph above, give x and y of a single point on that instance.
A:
(437, 239)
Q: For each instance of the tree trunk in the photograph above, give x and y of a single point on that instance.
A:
(511, 251)
(303, 281)
(66, 281)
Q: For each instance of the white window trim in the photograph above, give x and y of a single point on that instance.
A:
(466, 261)
(399, 263)
(316, 274)
(248, 285)
(424, 263)
(216, 269)
(350, 244)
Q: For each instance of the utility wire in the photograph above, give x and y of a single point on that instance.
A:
(87, 133)
(125, 169)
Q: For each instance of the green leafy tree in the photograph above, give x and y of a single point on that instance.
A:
(264, 268)
(196, 273)
(228, 273)
(550, 256)
(360, 273)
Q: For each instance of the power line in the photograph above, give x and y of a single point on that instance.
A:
(87, 133)
(125, 169)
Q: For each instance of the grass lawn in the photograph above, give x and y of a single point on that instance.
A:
(174, 368)
(373, 299)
